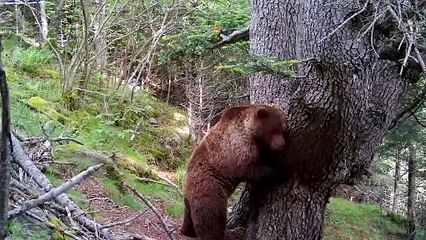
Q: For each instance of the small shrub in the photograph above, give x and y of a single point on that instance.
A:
(30, 59)
(396, 218)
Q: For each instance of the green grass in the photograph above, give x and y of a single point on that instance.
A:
(118, 195)
(170, 198)
(358, 221)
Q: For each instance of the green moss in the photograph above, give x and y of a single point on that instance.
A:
(57, 235)
(43, 106)
(38, 103)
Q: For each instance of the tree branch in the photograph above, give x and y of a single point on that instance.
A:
(346, 21)
(238, 35)
(418, 120)
(419, 100)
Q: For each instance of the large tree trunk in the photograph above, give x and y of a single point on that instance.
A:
(411, 193)
(339, 108)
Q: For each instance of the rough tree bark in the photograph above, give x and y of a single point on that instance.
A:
(411, 193)
(339, 108)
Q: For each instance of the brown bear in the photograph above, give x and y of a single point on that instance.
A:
(237, 149)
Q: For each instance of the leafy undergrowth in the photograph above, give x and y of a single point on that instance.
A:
(103, 125)
(358, 221)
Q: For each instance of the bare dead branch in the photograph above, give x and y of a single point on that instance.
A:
(346, 21)
(53, 193)
(58, 139)
(166, 183)
(148, 180)
(137, 128)
(63, 200)
(67, 139)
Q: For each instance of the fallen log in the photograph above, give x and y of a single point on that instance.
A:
(52, 193)
(63, 200)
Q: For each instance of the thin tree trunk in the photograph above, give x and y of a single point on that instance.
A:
(396, 180)
(101, 42)
(339, 109)
(6, 148)
(411, 193)
(85, 78)
(43, 22)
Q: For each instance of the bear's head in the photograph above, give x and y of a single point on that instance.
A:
(268, 125)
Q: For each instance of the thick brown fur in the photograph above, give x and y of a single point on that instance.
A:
(237, 149)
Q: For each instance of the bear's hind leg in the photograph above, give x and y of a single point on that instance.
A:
(209, 217)
(187, 228)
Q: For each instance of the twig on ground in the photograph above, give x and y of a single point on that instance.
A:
(124, 221)
(99, 199)
(67, 139)
(137, 129)
(149, 180)
(58, 139)
(52, 162)
(154, 209)
(85, 220)
(171, 183)
(167, 183)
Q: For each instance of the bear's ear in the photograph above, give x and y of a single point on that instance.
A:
(262, 113)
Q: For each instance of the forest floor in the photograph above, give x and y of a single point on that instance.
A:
(108, 211)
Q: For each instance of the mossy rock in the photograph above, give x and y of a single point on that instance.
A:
(128, 118)
(49, 73)
(44, 106)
